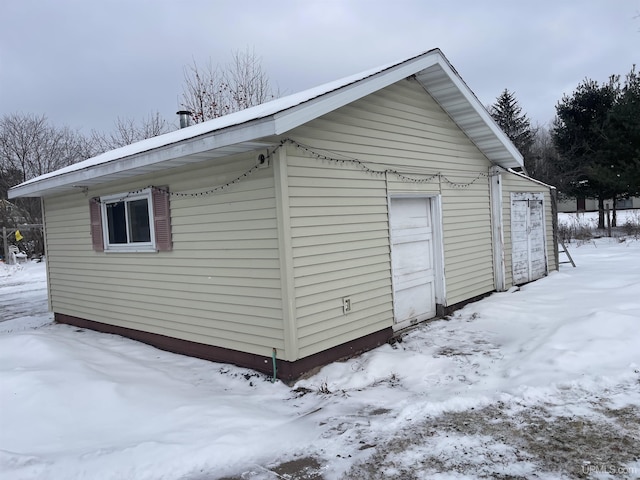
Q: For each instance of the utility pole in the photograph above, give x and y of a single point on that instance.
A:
(5, 244)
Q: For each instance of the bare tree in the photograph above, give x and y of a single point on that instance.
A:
(128, 131)
(204, 92)
(30, 146)
(214, 91)
(544, 157)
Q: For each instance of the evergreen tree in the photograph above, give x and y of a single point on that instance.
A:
(623, 136)
(508, 115)
(597, 135)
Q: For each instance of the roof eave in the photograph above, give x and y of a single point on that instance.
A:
(472, 118)
(243, 137)
(531, 179)
(431, 69)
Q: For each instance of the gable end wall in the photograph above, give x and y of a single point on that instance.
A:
(339, 212)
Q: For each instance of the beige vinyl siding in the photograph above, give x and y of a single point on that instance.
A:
(468, 254)
(220, 285)
(339, 216)
(339, 239)
(516, 183)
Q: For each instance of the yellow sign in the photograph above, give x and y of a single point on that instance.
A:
(18, 236)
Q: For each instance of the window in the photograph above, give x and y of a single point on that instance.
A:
(131, 222)
(624, 203)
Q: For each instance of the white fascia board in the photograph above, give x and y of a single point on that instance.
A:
(479, 109)
(312, 109)
(231, 136)
(527, 177)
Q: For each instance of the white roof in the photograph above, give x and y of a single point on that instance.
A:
(242, 131)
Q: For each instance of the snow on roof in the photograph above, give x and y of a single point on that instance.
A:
(243, 129)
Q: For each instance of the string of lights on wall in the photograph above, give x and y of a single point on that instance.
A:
(323, 155)
(203, 193)
(381, 173)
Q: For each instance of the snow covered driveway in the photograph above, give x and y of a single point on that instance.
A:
(23, 296)
(543, 382)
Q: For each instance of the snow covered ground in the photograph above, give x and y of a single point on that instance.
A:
(584, 224)
(541, 382)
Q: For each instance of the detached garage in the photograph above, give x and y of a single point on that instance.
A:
(300, 231)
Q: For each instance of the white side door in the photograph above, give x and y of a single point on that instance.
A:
(412, 259)
(528, 254)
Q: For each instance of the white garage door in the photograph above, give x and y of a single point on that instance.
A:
(527, 237)
(412, 259)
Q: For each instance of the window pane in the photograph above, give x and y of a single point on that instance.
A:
(139, 220)
(116, 223)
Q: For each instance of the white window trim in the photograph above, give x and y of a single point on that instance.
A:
(128, 247)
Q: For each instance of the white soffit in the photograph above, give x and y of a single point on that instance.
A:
(454, 96)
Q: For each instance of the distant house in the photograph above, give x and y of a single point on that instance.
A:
(582, 204)
(302, 230)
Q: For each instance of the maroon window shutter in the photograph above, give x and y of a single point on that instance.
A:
(162, 218)
(95, 212)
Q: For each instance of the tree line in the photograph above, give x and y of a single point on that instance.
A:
(592, 148)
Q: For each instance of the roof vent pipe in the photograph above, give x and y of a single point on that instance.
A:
(185, 118)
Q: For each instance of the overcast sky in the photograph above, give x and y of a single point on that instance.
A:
(84, 63)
